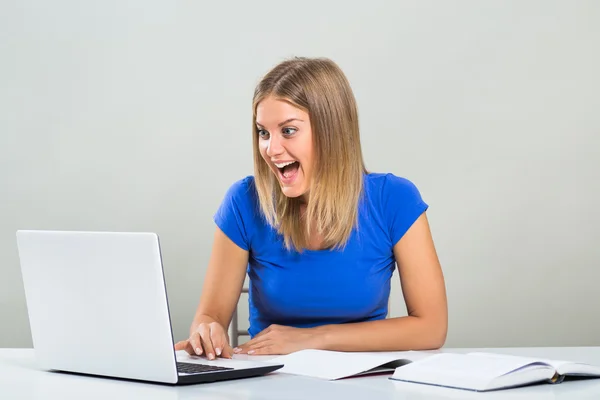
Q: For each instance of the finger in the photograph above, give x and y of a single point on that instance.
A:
(196, 343)
(207, 344)
(242, 348)
(190, 349)
(264, 349)
(218, 338)
(227, 351)
(185, 345)
(250, 344)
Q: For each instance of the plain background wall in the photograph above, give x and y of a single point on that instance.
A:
(136, 115)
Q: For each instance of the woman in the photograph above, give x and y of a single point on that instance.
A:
(318, 235)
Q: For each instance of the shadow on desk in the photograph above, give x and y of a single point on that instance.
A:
(66, 386)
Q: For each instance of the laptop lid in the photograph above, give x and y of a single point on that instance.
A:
(97, 303)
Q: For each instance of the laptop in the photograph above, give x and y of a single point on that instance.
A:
(97, 305)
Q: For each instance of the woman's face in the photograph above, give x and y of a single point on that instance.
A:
(285, 143)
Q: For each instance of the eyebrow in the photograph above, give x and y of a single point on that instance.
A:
(284, 122)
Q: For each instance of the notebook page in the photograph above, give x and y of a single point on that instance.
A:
(459, 370)
(332, 365)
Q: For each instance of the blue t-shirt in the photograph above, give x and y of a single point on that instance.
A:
(320, 287)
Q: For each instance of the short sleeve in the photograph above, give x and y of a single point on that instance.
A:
(234, 214)
(402, 205)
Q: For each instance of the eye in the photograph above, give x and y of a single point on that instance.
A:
(263, 133)
(288, 131)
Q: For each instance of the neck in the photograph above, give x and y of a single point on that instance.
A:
(304, 199)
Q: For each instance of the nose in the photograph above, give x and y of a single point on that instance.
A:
(275, 147)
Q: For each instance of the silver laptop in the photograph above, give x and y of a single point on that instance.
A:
(97, 305)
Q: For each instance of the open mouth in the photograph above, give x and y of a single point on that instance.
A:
(288, 172)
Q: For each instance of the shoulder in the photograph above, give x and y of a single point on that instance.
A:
(240, 196)
(242, 192)
(242, 187)
(237, 213)
(392, 187)
(397, 200)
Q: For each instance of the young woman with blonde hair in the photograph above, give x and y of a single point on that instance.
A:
(318, 235)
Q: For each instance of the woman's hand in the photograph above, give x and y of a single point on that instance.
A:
(209, 338)
(277, 339)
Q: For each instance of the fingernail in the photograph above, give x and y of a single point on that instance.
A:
(218, 351)
(210, 356)
(198, 350)
(237, 350)
(251, 352)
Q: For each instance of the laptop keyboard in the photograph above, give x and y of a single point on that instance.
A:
(193, 368)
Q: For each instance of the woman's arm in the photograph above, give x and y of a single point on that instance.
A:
(424, 292)
(223, 281)
(220, 293)
(425, 326)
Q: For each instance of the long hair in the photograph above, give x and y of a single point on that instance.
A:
(320, 88)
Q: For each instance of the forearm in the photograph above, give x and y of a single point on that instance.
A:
(394, 334)
(223, 282)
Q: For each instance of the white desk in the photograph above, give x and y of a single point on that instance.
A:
(21, 379)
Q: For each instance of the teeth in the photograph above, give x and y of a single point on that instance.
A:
(284, 164)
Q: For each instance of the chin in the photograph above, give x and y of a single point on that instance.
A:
(292, 192)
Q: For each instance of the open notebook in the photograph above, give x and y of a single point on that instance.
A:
(326, 364)
(487, 371)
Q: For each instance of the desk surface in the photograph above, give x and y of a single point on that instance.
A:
(21, 379)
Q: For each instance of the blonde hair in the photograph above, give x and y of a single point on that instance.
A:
(320, 88)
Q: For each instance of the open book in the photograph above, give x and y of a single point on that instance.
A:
(487, 371)
(326, 364)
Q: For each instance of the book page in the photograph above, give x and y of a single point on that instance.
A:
(465, 371)
(519, 359)
(332, 365)
(561, 366)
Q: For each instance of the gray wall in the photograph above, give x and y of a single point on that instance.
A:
(135, 115)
